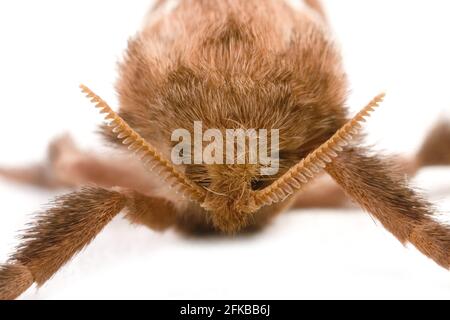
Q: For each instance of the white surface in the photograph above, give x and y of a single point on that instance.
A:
(49, 47)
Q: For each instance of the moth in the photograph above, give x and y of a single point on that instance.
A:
(229, 64)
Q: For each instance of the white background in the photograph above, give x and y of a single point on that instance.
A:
(49, 47)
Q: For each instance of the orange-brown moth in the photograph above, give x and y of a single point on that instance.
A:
(230, 64)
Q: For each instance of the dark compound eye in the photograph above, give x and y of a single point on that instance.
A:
(257, 184)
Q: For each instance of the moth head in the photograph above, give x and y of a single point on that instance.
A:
(229, 197)
(233, 193)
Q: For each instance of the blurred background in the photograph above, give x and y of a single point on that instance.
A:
(49, 47)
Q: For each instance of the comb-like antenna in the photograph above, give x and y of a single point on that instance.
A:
(315, 162)
(146, 151)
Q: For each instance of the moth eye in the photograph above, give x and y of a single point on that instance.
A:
(257, 184)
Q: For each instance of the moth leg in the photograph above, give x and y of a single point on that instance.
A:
(435, 150)
(70, 224)
(59, 170)
(374, 183)
(43, 174)
(324, 192)
(68, 166)
(156, 213)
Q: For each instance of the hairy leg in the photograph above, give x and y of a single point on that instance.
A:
(69, 225)
(68, 166)
(323, 192)
(326, 193)
(50, 173)
(58, 234)
(156, 213)
(375, 184)
(435, 151)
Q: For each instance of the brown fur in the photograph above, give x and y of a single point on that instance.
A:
(14, 279)
(231, 64)
(375, 184)
(434, 151)
(163, 215)
(224, 59)
(69, 225)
